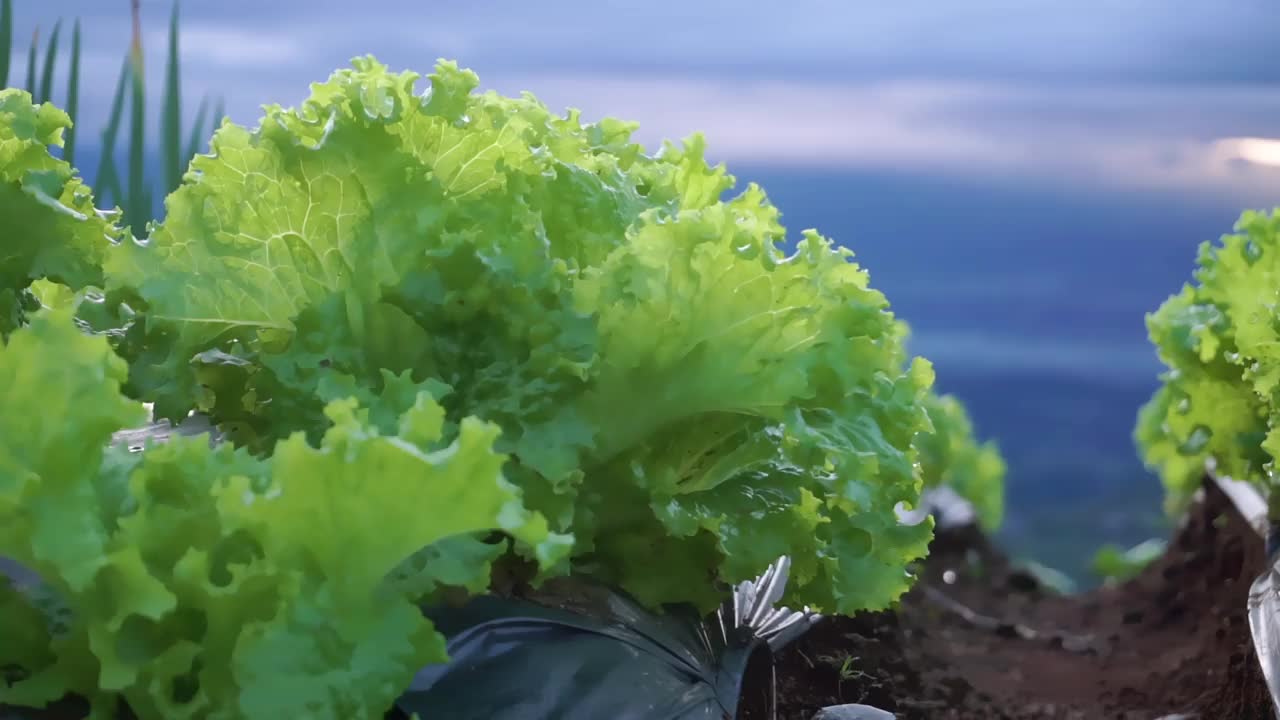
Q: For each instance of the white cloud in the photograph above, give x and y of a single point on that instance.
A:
(225, 47)
(958, 129)
(926, 126)
(1261, 151)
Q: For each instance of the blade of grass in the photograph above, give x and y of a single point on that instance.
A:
(73, 96)
(137, 213)
(6, 39)
(108, 181)
(50, 61)
(171, 115)
(197, 131)
(31, 61)
(219, 114)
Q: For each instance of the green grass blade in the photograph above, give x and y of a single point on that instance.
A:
(197, 130)
(31, 61)
(171, 115)
(108, 184)
(137, 213)
(73, 96)
(108, 181)
(219, 114)
(50, 61)
(6, 39)
(137, 148)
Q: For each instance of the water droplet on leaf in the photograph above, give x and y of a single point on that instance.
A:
(379, 102)
(1251, 251)
(1197, 441)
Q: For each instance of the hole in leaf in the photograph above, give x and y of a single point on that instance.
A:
(186, 686)
(239, 549)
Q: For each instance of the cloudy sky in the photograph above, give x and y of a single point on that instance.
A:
(1126, 93)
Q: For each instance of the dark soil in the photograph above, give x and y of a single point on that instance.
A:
(993, 643)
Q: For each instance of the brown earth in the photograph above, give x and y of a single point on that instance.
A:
(994, 644)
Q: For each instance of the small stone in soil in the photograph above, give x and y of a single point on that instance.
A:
(853, 712)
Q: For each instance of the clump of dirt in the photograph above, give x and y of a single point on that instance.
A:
(979, 638)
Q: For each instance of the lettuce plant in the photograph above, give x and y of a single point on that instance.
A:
(668, 382)
(438, 328)
(1220, 340)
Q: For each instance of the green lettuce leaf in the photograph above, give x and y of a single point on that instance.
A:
(205, 582)
(53, 231)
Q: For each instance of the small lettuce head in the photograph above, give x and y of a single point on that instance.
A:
(1220, 340)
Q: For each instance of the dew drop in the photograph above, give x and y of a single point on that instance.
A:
(379, 102)
(1251, 251)
(56, 205)
(1197, 441)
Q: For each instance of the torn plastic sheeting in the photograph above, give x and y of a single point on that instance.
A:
(136, 440)
(853, 712)
(1264, 593)
(614, 660)
(540, 663)
(1264, 624)
(949, 509)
